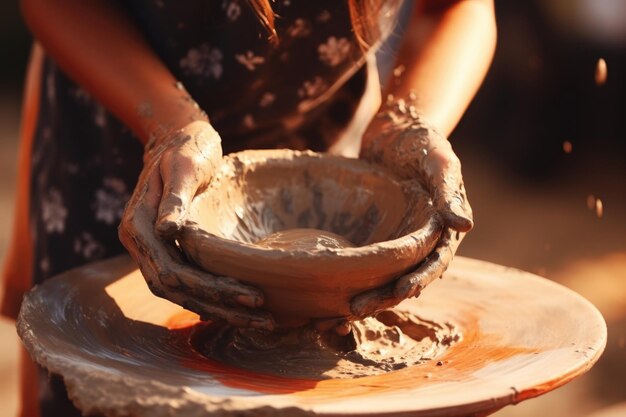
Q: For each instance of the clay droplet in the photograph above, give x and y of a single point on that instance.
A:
(601, 72)
(567, 147)
(599, 208)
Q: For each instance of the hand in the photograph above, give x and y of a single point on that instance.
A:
(399, 139)
(175, 169)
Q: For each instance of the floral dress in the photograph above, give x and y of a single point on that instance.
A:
(299, 93)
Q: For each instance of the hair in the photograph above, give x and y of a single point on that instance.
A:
(364, 16)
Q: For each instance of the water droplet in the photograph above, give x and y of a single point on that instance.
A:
(397, 71)
(599, 208)
(601, 72)
(567, 147)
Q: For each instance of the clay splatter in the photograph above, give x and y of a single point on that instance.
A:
(601, 72)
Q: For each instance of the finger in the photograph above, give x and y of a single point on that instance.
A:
(433, 267)
(371, 302)
(410, 285)
(180, 184)
(135, 230)
(443, 169)
(237, 317)
(454, 209)
(161, 287)
(221, 290)
(136, 233)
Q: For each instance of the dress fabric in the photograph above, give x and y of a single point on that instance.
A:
(299, 93)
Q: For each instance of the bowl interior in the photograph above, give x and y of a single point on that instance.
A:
(259, 193)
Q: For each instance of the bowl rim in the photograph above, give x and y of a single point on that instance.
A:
(416, 241)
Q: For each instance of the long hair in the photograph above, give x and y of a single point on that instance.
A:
(365, 16)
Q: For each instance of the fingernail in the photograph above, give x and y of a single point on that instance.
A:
(458, 220)
(249, 300)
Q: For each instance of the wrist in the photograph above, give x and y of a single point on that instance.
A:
(198, 137)
(400, 137)
(169, 110)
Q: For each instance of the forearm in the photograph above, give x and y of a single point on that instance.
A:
(445, 56)
(98, 47)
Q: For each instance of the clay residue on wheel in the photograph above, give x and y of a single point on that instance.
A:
(390, 341)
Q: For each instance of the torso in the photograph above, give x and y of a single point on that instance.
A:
(221, 53)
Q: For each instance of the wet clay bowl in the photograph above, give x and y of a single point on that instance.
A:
(257, 194)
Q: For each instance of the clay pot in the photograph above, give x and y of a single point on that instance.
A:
(391, 224)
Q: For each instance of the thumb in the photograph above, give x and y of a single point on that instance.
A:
(179, 187)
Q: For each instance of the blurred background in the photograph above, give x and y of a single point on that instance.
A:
(541, 144)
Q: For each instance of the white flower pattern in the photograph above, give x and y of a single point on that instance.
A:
(267, 100)
(53, 212)
(44, 265)
(203, 61)
(110, 200)
(249, 60)
(248, 121)
(86, 246)
(51, 88)
(299, 29)
(334, 51)
(324, 16)
(232, 9)
(312, 88)
(80, 95)
(99, 116)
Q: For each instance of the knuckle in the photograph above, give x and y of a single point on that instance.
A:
(173, 199)
(128, 224)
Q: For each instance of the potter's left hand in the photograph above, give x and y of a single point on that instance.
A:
(401, 140)
(175, 168)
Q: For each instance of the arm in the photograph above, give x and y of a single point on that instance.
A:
(446, 53)
(96, 45)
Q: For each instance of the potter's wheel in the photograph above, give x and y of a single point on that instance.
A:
(107, 335)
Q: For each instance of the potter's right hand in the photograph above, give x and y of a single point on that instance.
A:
(175, 168)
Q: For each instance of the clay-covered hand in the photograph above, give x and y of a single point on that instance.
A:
(401, 140)
(175, 169)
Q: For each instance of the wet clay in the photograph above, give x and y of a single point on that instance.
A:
(304, 239)
(390, 341)
(249, 224)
